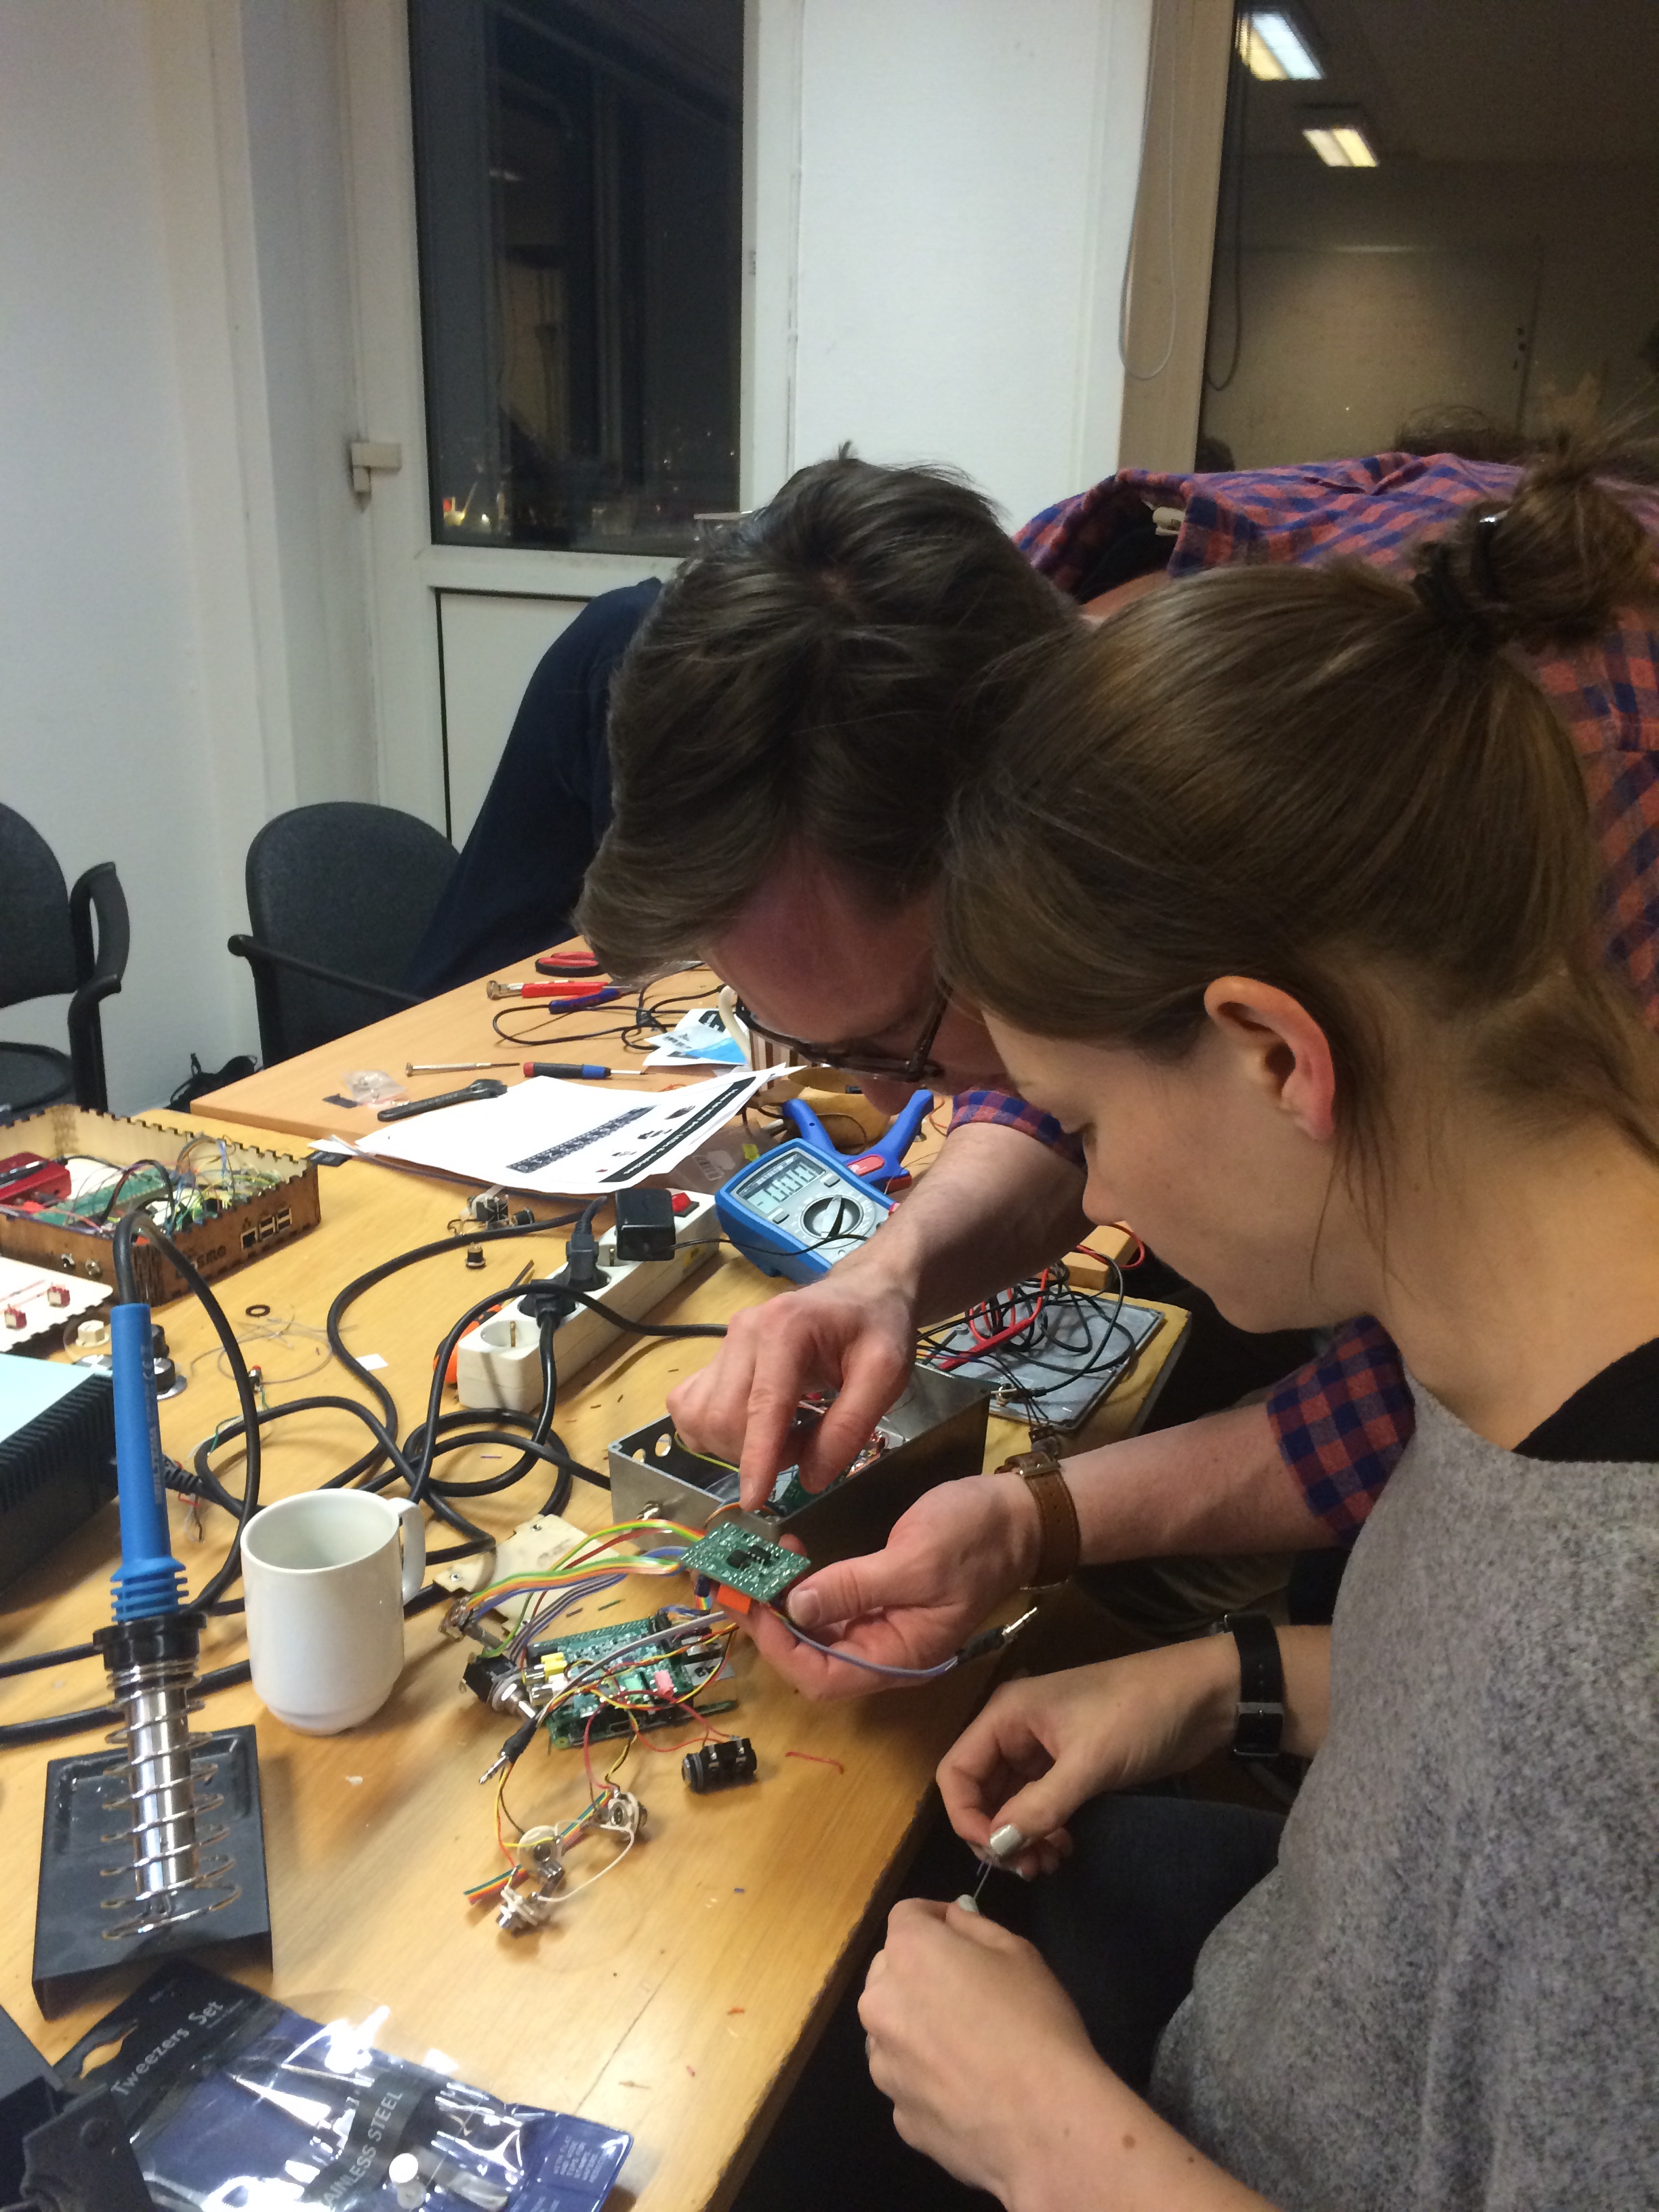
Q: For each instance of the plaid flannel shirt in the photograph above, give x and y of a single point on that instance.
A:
(1343, 1421)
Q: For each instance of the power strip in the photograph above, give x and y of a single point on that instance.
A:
(498, 1364)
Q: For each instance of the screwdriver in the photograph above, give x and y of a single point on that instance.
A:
(570, 1069)
(569, 996)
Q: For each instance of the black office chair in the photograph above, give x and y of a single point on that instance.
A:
(339, 896)
(47, 945)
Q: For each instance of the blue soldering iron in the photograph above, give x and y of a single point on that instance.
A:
(150, 1651)
(148, 1580)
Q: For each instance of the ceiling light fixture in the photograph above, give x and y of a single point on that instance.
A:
(1273, 49)
(1339, 137)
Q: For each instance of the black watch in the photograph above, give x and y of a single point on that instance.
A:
(1260, 1727)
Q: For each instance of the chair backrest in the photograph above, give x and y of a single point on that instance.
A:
(351, 887)
(37, 947)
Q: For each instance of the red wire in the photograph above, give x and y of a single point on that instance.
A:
(1004, 1335)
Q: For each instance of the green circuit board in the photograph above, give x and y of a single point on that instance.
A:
(654, 1686)
(745, 1562)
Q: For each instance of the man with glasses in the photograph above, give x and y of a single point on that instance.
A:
(787, 733)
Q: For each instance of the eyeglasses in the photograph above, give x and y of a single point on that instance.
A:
(916, 1065)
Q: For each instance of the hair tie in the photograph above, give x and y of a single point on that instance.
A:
(1445, 598)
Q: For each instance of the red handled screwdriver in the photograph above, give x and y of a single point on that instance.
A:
(570, 996)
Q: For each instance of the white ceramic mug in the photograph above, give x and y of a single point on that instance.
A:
(326, 1590)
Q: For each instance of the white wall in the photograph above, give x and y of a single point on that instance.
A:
(104, 742)
(950, 289)
(181, 589)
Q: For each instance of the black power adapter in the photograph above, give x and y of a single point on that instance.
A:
(645, 1224)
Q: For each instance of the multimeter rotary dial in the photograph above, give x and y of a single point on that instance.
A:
(827, 1219)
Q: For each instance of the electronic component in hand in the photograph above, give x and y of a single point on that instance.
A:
(738, 1558)
(797, 1212)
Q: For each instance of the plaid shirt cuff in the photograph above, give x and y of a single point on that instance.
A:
(1342, 1424)
(1007, 1112)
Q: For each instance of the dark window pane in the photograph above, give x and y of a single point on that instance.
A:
(1486, 270)
(579, 178)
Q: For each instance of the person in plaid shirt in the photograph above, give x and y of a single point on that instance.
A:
(1302, 1471)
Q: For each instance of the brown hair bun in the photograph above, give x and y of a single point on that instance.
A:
(1551, 567)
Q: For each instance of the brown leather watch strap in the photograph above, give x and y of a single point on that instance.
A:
(1061, 1548)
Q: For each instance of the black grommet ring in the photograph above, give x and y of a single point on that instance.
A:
(256, 1313)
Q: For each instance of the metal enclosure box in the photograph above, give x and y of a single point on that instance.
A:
(935, 1432)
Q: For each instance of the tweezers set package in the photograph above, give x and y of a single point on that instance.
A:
(234, 2104)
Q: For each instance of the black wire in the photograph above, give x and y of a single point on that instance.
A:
(37, 1660)
(631, 1326)
(347, 1297)
(411, 1462)
(201, 1482)
(228, 1431)
(53, 1725)
(169, 1181)
(1013, 1361)
(543, 1012)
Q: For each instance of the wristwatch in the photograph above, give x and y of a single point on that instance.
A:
(1260, 1726)
(1061, 1548)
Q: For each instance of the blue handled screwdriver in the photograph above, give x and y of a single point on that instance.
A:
(587, 1071)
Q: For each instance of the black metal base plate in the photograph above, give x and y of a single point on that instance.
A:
(85, 1868)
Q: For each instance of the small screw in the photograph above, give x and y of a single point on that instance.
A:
(474, 1255)
(96, 2133)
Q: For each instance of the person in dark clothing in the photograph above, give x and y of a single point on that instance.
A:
(549, 803)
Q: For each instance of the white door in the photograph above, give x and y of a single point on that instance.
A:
(457, 630)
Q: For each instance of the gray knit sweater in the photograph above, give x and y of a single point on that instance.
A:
(1447, 1994)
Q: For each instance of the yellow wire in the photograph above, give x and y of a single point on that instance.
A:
(512, 1583)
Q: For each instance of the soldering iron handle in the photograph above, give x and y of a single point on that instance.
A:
(149, 1580)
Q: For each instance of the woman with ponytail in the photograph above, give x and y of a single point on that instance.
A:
(1295, 866)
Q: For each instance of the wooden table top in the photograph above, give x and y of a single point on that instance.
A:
(675, 1999)
(295, 1095)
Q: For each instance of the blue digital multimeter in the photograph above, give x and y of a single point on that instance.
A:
(798, 1210)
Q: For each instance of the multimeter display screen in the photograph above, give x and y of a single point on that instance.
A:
(772, 1195)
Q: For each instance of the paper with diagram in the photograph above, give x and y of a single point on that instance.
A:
(575, 1139)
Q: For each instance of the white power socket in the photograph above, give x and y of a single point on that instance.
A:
(499, 1363)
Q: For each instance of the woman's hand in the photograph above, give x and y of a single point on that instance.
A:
(972, 2037)
(960, 1548)
(992, 2074)
(1043, 1745)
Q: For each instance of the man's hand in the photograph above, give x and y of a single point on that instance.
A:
(959, 1550)
(1043, 1745)
(853, 1333)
